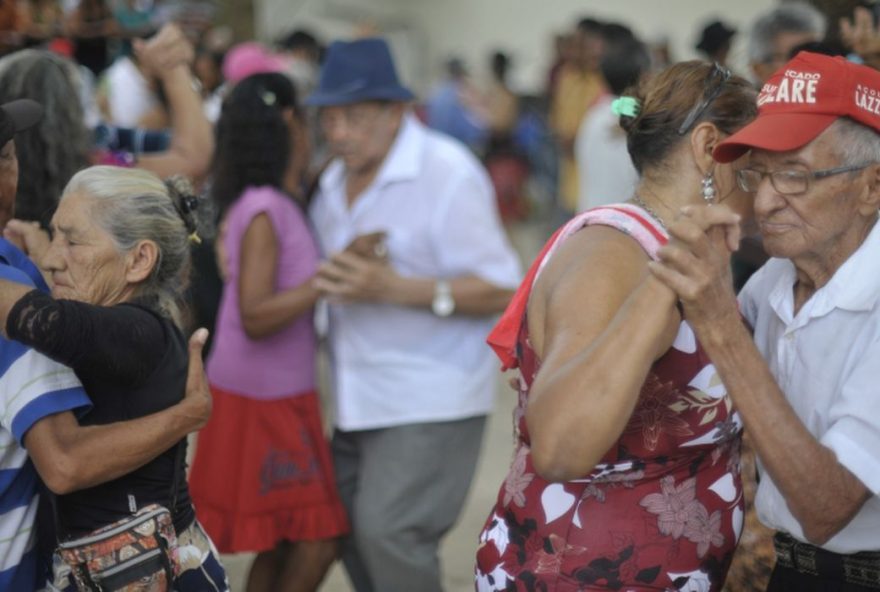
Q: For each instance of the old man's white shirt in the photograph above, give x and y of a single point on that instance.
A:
(826, 359)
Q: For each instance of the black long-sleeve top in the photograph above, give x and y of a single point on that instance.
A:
(132, 362)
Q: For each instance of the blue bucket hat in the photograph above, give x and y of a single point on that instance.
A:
(357, 71)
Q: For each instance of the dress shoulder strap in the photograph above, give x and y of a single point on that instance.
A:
(627, 218)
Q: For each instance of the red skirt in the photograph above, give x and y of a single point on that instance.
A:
(262, 474)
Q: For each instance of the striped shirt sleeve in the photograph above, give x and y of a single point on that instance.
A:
(31, 385)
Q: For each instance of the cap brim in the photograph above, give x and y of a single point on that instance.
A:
(776, 132)
(24, 113)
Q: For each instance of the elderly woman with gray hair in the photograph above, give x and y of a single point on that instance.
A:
(117, 263)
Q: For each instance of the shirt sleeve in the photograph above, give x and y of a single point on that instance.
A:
(32, 386)
(467, 233)
(854, 420)
(124, 343)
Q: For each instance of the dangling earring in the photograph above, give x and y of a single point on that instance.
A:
(708, 184)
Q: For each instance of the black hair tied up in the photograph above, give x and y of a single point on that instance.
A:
(185, 201)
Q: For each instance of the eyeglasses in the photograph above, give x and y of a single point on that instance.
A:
(790, 182)
(714, 83)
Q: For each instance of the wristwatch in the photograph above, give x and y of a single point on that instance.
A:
(443, 304)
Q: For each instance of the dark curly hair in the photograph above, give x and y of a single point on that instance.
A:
(253, 140)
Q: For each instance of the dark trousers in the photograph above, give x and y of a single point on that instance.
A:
(786, 579)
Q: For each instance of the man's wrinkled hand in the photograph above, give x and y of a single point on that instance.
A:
(695, 264)
(197, 402)
(347, 277)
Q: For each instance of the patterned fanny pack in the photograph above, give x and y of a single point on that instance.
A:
(137, 553)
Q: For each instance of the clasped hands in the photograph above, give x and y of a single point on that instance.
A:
(695, 264)
(359, 273)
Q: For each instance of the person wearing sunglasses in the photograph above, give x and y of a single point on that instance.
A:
(805, 381)
(626, 464)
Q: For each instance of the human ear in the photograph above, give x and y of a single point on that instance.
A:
(869, 201)
(140, 261)
(703, 139)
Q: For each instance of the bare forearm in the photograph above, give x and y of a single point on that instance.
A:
(192, 142)
(276, 312)
(70, 457)
(820, 492)
(472, 295)
(569, 437)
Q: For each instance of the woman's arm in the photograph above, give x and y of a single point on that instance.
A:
(167, 56)
(70, 457)
(121, 343)
(263, 310)
(598, 320)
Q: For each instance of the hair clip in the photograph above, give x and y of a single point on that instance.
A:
(189, 203)
(268, 97)
(625, 106)
(195, 238)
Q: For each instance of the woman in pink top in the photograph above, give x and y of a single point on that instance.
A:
(262, 476)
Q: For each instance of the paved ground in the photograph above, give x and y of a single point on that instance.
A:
(459, 547)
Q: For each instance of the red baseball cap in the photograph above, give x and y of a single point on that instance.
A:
(802, 99)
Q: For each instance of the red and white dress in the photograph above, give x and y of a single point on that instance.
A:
(662, 511)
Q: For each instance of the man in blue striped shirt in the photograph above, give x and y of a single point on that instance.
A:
(39, 433)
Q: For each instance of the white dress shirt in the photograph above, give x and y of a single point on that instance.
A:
(826, 359)
(395, 365)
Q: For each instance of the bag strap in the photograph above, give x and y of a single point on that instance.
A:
(178, 475)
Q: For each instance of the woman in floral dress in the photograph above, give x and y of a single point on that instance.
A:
(626, 468)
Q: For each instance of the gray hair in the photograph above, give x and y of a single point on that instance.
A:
(791, 17)
(134, 205)
(56, 148)
(855, 143)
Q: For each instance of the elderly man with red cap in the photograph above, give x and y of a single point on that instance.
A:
(805, 382)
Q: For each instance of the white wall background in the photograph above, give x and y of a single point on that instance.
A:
(425, 32)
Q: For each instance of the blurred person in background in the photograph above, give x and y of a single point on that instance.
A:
(454, 109)
(504, 158)
(714, 42)
(417, 265)
(579, 85)
(270, 488)
(302, 52)
(605, 169)
(90, 25)
(62, 143)
(773, 35)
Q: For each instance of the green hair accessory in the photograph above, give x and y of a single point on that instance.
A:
(628, 106)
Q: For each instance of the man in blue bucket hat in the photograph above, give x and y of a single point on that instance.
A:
(417, 265)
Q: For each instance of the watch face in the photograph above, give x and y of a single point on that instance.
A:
(443, 305)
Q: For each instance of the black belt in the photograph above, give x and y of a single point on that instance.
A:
(861, 568)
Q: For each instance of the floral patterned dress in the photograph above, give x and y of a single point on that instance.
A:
(662, 511)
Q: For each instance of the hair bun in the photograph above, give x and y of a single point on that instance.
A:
(184, 198)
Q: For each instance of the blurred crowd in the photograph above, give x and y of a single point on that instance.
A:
(159, 175)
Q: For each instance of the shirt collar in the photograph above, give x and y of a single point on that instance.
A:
(400, 164)
(855, 286)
